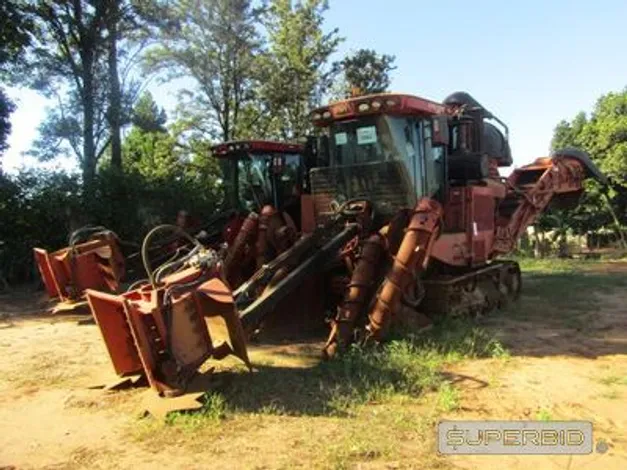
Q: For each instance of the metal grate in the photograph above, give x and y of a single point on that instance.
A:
(386, 184)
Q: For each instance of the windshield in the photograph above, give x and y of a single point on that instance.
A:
(387, 159)
(254, 180)
(370, 139)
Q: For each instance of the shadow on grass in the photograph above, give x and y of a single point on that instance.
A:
(401, 369)
(558, 314)
(553, 317)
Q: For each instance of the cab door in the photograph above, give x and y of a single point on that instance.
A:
(432, 161)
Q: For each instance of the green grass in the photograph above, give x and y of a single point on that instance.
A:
(614, 380)
(375, 405)
(213, 411)
(553, 265)
(570, 286)
(611, 395)
(448, 398)
(400, 371)
(407, 366)
(544, 414)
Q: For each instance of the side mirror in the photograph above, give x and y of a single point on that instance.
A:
(440, 131)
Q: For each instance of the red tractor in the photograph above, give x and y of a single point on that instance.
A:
(427, 173)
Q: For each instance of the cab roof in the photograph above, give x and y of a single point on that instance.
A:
(227, 149)
(380, 103)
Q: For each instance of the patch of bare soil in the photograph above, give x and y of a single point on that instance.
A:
(576, 372)
(51, 419)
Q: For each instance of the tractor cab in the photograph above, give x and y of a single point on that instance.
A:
(394, 149)
(258, 173)
(387, 148)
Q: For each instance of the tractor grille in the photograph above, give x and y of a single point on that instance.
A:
(385, 184)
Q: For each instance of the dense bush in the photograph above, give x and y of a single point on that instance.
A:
(40, 209)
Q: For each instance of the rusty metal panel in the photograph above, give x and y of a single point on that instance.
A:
(86, 273)
(150, 344)
(67, 273)
(455, 213)
(43, 264)
(215, 300)
(191, 344)
(307, 214)
(108, 311)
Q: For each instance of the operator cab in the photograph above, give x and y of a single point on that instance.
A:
(394, 149)
(259, 173)
(386, 148)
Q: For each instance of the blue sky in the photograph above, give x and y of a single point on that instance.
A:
(532, 63)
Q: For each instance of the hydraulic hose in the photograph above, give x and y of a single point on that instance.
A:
(85, 233)
(146, 245)
(173, 265)
(137, 284)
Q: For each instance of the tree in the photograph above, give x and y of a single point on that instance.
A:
(367, 72)
(14, 38)
(75, 57)
(6, 108)
(147, 116)
(113, 17)
(604, 136)
(14, 26)
(65, 61)
(569, 134)
(127, 25)
(153, 155)
(295, 69)
(214, 42)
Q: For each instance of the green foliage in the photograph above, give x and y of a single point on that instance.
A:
(544, 414)
(14, 27)
(367, 71)
(36, 209)
(215, 43)
(151, 154)
(13, 40)
(64, 61)
(74, 58)
(403, 368)
(40, 208)
(448, 397)
(6, 108)
(295, 67)
(603, 134)
(147, 116)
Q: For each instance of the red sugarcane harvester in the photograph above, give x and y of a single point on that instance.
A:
(405, 220)
(442, 215)
(255, 172)
(166, 326)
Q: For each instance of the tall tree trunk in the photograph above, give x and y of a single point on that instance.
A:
(89, 149)
(115, 99)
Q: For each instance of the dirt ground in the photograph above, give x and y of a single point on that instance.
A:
(564, 363)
